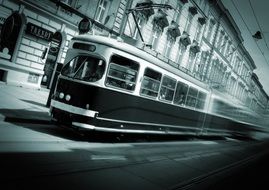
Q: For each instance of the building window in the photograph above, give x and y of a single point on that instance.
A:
(227, 53)
(191, 60)
(231, 53)
(244, 72)
(102, 10)
(226, 79)
(188, 23)
(239, 91)
(237, 64)
(220, 39)
(224, 45)
(232, 86)
(156, 34)
(197, 65)
(177, 12)
(203, 63)
(181, 52)
(138, 27)
(169, 44)
(198, 32)
(213, 70)
(210, 31)
(228, 48)
(131, 28)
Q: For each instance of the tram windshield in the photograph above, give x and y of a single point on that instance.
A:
(84, 68)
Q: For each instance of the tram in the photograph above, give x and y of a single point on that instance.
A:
(110, 86)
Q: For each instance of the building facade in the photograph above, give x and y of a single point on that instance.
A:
(198, 37)
(35, 34)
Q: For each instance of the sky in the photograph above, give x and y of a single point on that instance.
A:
(252, 16)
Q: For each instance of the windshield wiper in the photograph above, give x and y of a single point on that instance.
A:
(83, 62)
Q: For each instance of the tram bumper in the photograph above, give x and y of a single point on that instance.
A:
(68, 114)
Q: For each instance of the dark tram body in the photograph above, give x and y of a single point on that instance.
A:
(107, 85)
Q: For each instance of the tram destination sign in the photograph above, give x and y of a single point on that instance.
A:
(38, 31)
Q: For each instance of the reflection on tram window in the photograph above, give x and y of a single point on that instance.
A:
(180, 95)
(122, 73)
(85, 68)
(151, 83)
(167, 88)
(191, 97)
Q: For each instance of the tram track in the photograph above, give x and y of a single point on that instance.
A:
(197, 182)
(57, 154)
(109, 162)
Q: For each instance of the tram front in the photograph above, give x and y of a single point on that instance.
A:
(75, 97)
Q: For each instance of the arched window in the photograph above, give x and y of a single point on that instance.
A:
(10, 33)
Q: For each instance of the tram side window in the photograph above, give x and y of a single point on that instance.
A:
(192, 97)
(167, 88)
(84, 68)
(150, 83)
(181, 93)
(122, 73)
(201, 100)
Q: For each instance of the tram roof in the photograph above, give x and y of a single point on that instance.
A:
(120, 45)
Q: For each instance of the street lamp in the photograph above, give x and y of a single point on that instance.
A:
(257, 35)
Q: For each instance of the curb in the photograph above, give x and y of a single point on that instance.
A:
(27, 120)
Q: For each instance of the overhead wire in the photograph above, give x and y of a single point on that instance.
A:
(183, 15)
(258, 23)
(249, 30)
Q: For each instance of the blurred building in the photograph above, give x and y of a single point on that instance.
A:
(198, 37)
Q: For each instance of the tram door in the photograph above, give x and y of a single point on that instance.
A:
(51, 60)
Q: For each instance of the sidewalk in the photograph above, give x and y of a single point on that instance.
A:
(21, 104)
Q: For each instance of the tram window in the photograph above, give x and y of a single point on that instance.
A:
(122, 73)
(167, 88)
(192, 97)
(84, 68)
(181, 92)
(201, 100)
(150, 83)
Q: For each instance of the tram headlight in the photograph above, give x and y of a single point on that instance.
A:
(61, 95)
(67, 97)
